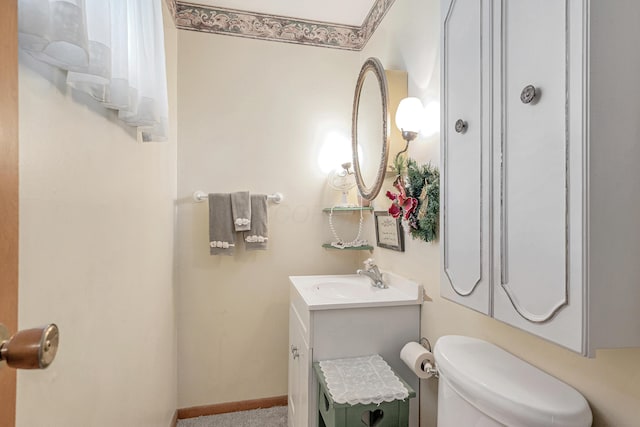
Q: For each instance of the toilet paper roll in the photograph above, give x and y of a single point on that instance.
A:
(417, 358)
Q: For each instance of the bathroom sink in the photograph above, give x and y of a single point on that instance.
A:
(345, 289)
(348, 291)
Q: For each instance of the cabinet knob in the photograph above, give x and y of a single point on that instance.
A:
(528, 94)
(294, 352)
(461, 126)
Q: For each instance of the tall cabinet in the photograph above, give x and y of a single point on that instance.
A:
(541, 180)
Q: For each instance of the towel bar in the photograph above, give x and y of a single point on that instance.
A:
(201, 196)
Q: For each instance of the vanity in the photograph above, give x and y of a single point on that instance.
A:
(338, 316)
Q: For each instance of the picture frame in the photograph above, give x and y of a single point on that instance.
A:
(389, 232)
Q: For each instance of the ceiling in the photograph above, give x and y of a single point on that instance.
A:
(347, 12)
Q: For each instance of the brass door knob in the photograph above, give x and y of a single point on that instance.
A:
(31, 348)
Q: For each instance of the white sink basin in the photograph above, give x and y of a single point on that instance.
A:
(345, 288)
(348, 291)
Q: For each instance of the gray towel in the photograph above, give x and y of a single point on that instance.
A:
(241, 209)
(222, 237)
(256, 238)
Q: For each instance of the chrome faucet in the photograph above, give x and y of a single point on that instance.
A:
(372, 272)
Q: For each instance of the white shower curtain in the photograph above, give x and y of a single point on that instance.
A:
(111, 49)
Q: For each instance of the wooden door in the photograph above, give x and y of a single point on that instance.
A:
(8, 196)
(466, 152)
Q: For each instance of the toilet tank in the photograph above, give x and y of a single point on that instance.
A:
(483, 385)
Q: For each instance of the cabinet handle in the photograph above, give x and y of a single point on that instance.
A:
(528, 94)
(461, 126)
(294, 352)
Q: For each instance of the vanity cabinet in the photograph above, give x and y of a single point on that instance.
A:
(541, 184)
(299, 369)
(344, 329)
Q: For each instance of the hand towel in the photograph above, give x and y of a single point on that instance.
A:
(241, 210)
(221, 233)
(256, 238)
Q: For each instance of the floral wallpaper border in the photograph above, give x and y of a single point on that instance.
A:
(171, 5)
(195, 17)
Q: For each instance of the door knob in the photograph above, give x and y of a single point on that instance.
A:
(31, 348)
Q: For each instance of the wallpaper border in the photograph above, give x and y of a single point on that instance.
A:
(217, 20)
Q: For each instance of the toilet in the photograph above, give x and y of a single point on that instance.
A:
(482, 385)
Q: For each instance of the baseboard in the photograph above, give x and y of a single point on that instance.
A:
(174, 420)
(224, 408)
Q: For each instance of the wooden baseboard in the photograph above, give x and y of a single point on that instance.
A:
(174, 420)
(224, 408)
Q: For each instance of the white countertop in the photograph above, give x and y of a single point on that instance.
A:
(326, 292)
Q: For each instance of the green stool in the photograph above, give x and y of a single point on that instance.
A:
(385, 414)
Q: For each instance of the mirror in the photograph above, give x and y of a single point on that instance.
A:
(370, 128)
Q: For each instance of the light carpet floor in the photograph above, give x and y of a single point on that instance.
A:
(270, 417)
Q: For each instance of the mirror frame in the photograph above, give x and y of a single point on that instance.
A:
(374, 66)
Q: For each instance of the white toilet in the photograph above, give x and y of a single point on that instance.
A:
(482, 385)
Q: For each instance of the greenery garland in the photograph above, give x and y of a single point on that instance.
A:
(421, 184)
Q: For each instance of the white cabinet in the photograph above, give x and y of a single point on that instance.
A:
(541, 189)
(299, 370)
(466, 155)
(322, 334)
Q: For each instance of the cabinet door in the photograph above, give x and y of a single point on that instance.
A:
(535, 179)
(299, 373)
(466, 153)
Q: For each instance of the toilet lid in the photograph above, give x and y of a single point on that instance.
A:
(506, 388)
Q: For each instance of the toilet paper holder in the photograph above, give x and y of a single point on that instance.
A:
(433, 370)
(425, 343)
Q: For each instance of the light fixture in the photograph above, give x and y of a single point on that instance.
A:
(409, 120)
(335, 151)
(431, 123)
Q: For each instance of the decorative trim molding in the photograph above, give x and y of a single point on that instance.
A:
(171, 5)
(217, 20)
(225, 408)
(374, 18)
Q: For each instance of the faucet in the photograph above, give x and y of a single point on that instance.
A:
(372, 272)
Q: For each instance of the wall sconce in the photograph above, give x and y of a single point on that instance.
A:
(409, 120)
(335, 150)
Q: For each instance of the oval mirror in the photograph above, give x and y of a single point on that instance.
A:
(370, 128)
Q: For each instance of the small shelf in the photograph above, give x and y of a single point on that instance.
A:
(349, 209)
(353, 248)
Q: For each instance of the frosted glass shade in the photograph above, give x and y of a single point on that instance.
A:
(409, 115)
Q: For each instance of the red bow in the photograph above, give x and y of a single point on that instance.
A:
(400, 201)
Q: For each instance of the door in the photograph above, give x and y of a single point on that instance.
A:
(466, 153)
(299, 373)
(8, 196)
(537, 205)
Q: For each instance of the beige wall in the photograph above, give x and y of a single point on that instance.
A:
(96, 257)
(408, 39)
(253, 116)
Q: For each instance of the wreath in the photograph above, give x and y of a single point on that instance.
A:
(417, 199)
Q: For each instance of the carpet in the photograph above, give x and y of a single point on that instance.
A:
(270, 417)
